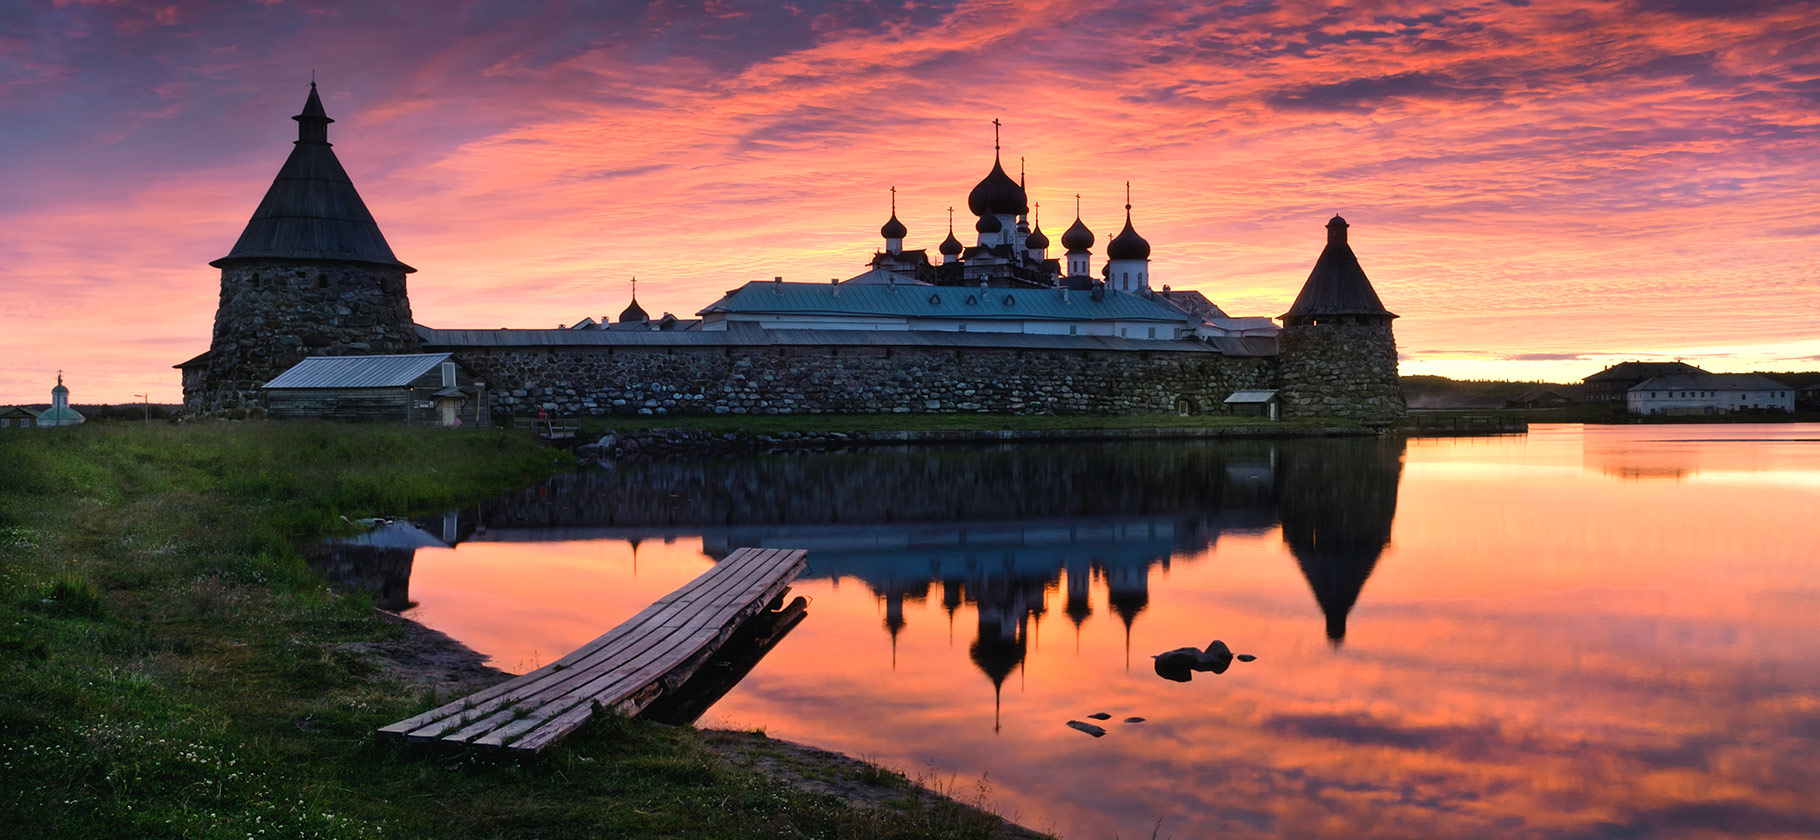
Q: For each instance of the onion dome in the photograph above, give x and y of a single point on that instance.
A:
(988, 224)
(1036, 241)
(951, 247)
(1077, 237)
(997, 194)
(634, 314)
(1128, 245)
(59, 390)
(893, 229)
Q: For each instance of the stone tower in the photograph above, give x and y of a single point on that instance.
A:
(310, 276)
(1336, 354)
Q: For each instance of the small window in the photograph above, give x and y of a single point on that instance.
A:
(1074, 329)
(1153, 332)
(935, 298)
(322, 281)
(448, 374)
(960, 327)
(972, 301)
(1010, 301)
(1123, 332)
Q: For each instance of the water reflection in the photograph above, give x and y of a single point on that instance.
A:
(1535, 644)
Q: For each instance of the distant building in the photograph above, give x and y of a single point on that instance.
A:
(1610, 385)
(1710, 393)
(1810, 396)
(18, 417)
(1540, 399)
(60, 413)
(778, 305)
(423, 389)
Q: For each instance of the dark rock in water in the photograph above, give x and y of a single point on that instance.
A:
(1134, 720)
(1179, 664)
(1246, 657)
(1100, 716)
(1088, 728)
(1179, 658)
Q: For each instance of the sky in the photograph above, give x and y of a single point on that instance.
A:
(1538, 188)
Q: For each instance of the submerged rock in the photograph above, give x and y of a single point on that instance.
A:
(1088, 728)
(1100, 716)
(1246, 657)
(1179, 664)
(1134, 720)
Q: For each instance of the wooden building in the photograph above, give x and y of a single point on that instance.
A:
(18, 417)
(1711, 393)
(1540, 399)
(1612, 385)
(420, 389)
(1255, 403)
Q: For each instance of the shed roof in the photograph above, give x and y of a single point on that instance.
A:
(312, 211)
(357, 371)
(1251, 397)
(1337, 285)
(946, 302)
(1704, 381)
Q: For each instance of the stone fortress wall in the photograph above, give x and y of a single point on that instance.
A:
(577, 381)
(1340, 370)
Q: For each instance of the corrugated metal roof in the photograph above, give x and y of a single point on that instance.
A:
(750, 336)
(357, 371)
(761, 297)
(1710, 382)
(312, 211)
(1251, 396)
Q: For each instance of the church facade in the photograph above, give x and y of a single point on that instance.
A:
(997, 325)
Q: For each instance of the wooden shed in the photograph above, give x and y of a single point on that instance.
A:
(421, 389)
(1253, 404)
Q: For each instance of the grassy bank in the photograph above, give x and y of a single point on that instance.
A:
(170, 667)
(773, 423)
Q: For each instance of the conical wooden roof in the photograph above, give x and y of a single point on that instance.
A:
(1337, 285)
(312, 211)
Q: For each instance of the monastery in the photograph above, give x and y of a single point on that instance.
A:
(998, 325)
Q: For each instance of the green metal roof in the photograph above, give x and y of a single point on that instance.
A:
(957, 302)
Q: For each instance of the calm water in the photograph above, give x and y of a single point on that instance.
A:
(1600, 632)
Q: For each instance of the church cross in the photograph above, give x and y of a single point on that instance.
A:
(995, 125)
(894, 200)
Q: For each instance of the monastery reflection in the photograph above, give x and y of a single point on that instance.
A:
(999, 531)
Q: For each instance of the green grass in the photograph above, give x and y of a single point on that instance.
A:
(775, 423)
(170, 667)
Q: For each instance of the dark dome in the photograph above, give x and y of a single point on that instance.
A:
(1077, 237)
(988, 224)
(997, 194)
(634, 314)
(1036, 241)
(1128, 245)
(893, 229)
(951, 246)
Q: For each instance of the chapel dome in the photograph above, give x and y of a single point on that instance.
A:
(988, 224)
(997, 194)
(893, 229)
(634, 314)
(1036, 241)
(1077, 237)
(1128, 245)
(951, 246)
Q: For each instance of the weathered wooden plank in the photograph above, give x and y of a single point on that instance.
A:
(579, 666)
(624, 668)
(628, 671)
(536, 739)
(609, 643)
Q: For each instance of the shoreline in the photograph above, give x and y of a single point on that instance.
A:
(429, 660)
(644, 442)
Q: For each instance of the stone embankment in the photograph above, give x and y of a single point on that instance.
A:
(648, 443)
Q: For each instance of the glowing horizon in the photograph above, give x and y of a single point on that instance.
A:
(1539, 190)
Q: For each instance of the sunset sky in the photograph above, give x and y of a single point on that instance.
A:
(1538, 188)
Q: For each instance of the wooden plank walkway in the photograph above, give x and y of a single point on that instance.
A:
(624, 670)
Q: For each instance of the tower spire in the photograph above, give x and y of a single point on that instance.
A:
(313, 122)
